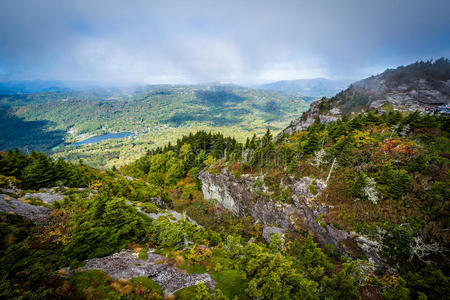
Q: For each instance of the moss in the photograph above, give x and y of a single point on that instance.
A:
(313, 189)
(285, 195)
(194, 269)
(35, 201)
(147, 288)
(92, 284)
(318, 218)
(187, 293)
(143, 255)
(150, 207)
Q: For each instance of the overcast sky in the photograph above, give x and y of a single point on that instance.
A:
(230, 41)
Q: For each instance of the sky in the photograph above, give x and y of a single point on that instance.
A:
(243, 42)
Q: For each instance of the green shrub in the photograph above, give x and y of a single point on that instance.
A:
(147, 288)
(143, 255)
(107, 226)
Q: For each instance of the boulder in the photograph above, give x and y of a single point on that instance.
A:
(125, 264)
(269, 231)
(9, 204)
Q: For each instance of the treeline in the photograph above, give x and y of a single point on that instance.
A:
(429, 70)
(37, 170)
(188, 154)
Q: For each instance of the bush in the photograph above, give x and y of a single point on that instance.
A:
(107, 226)
(143, 255)
(147, 288)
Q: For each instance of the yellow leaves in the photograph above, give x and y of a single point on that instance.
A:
(185, 149)
(209, 160)
(362, 138)
(9, 182)
(97, 185)
(58, 237)
(199, 253)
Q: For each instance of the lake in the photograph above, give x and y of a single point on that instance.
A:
(106, 136)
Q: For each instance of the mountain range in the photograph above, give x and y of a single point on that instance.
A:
(316, 87)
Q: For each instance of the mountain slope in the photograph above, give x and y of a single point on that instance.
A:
(372, 190)
(317, 87)
(406, 88)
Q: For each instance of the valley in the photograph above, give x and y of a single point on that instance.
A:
(157, 115)
(348, 201)
(225, 150)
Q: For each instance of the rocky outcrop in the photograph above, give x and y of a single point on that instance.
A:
(240, 196)
(47, 196)
(172, 215)
(10, 191)
(411, 88)
(11, 205)
(308, 118)
(125, 264)
(269, 231)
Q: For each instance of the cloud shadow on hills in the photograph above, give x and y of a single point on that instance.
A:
(217, 97)
(27, 135)
(216, 116)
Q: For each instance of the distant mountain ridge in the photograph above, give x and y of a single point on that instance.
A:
(317, 87)
(406, 88)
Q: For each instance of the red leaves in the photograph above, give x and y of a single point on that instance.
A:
(397, 150)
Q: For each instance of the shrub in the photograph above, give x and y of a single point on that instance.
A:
(107, 226)
(147, 288)
(143, 255)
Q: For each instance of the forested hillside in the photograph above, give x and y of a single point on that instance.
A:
(341, 206)
(383, 180)
(158, 115)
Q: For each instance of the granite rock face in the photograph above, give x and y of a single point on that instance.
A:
(11, 205)
(125, 264)
(240, 196)
(269, 231)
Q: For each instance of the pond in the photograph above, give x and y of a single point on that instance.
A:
(103, 137)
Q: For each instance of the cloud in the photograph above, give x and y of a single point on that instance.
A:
(233, 41)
